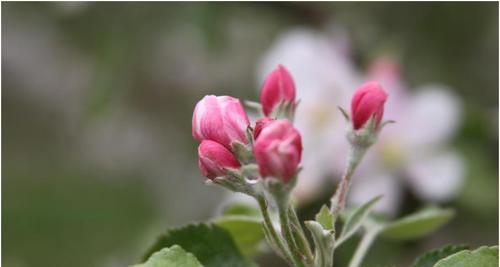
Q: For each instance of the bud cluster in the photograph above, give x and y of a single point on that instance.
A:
(221, 124)
(240, 157)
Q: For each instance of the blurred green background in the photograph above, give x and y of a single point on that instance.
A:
(97, 100)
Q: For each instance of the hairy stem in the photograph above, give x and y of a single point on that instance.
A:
(340, 196)
(300, 236)
(297, 256)
(275, 238)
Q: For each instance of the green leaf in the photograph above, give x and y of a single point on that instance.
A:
(324, 217)
(174, 256)
(212, 245)
(242, 209)
(355, 220)
(481, 257)
(245, 230)
(244, 223)
(430, 258)
(418, 224)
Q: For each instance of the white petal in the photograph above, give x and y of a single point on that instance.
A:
(437, 177)
(432, 116)
(314, 61)
(370, 185)
(309, 185)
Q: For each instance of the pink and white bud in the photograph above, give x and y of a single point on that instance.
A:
(368, 100)
(278, 88)
(259, 125)
(213, 158)
(221, 119)
(278, 150)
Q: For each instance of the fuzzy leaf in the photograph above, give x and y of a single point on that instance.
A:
(355, 220)
(418, 224)
(323, 242)
(481, 257)
(212, 245)
(174, 256)
(430, 258)
(324, 217)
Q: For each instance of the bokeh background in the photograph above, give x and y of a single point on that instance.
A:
(97, 100)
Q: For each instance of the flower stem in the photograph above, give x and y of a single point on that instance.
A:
(339, 198)
(300, 236)
(297, 256)
(275, 238)
(362, 248)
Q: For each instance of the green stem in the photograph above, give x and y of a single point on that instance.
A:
(287, 234)
(362, 249)
(299, 235)
(272, 231)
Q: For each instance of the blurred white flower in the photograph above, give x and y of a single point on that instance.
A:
(412, 152)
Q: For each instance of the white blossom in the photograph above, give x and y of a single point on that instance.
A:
(414, 152)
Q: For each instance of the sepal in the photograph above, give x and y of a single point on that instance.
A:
(385, 123)
(236, 182)
(250, 136)
(255, 106)
(278, 189)
(285, 110)
(242, 152)
(344, 113)
(250, 171)
(364, 136)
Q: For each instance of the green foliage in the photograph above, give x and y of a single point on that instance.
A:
(324, 217)
(67, 205)
(212, 245)
(418, 224)
(174, 256)
(244, 223)
(430, 258)
(246, 231)
(241, 209)
(355, 219)
(481, 257)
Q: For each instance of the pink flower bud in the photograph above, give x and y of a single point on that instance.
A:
(368, 100)
(221, 119)
(213, 158)
(278, 87)
(278, 149)
(259, 125)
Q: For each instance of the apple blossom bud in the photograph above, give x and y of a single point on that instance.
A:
(221, 119)
(278, 150)
(368, 100)
(278, 89)
(260, 124)
(213, 158)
